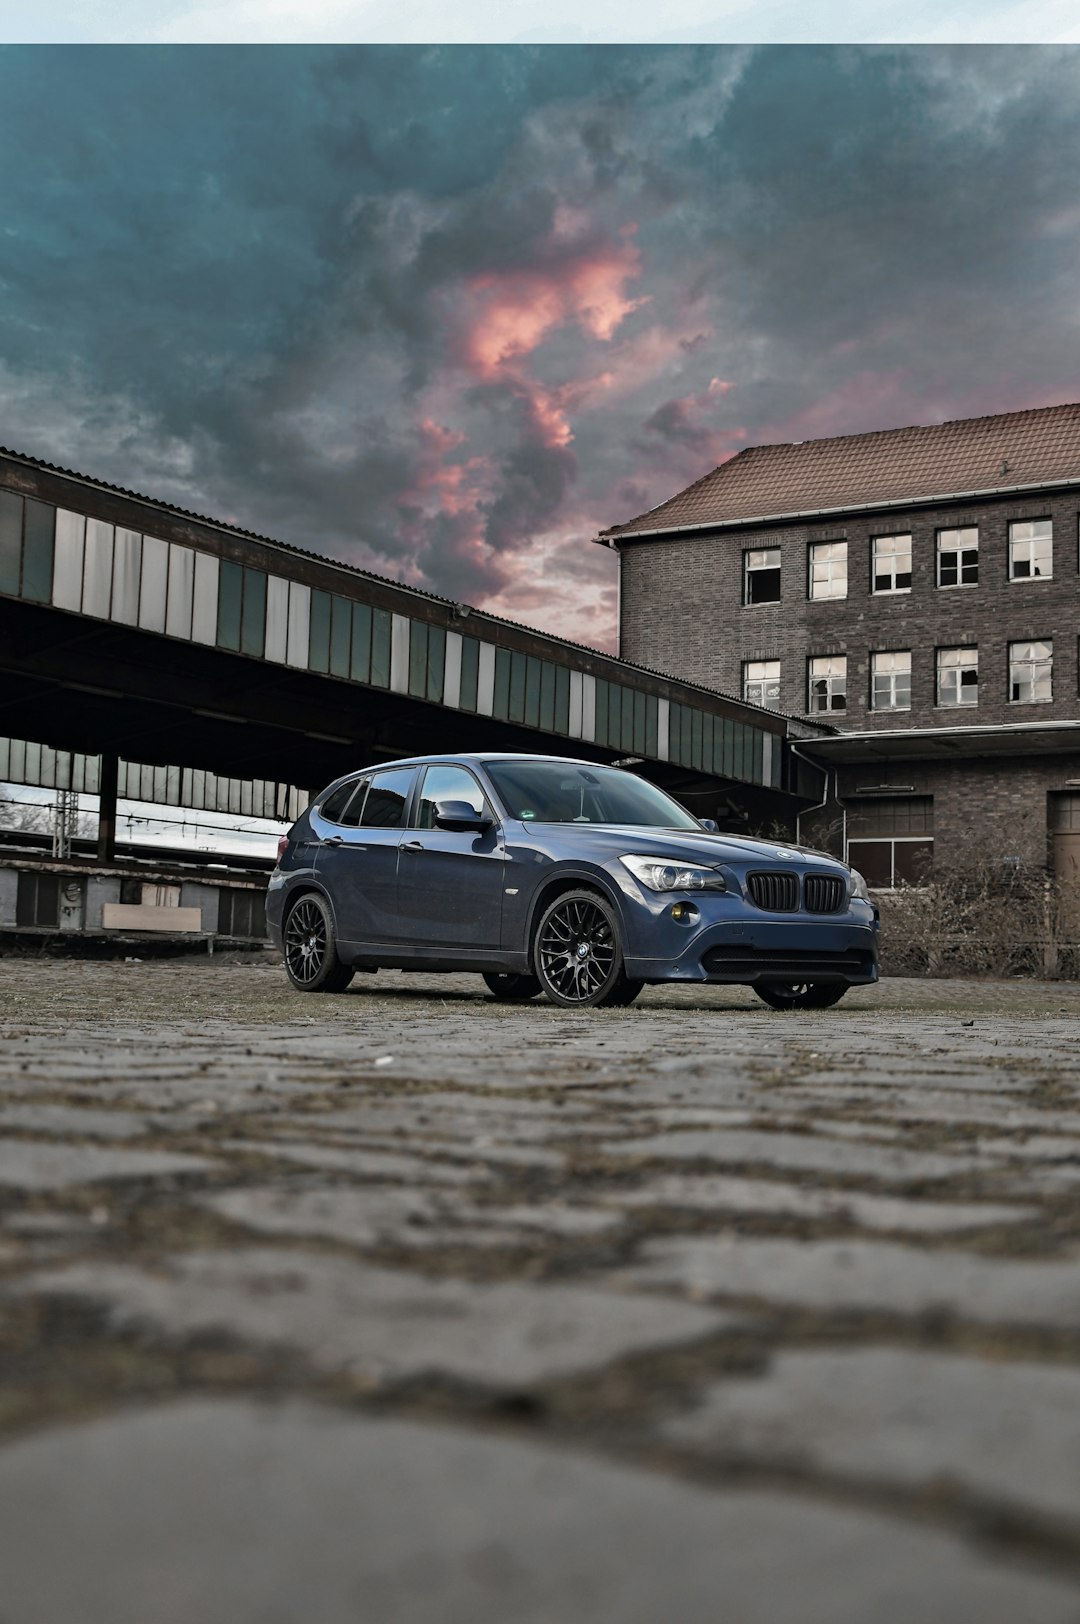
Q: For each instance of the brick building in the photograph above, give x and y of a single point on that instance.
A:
(917, 589)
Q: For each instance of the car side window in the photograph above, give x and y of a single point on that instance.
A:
(387, 797)
(336, 804)
(447, 784)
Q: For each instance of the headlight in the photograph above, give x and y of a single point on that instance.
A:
(660, 876)
(858, 886)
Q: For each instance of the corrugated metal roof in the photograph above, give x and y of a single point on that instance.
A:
(370, 575)
(969, 457)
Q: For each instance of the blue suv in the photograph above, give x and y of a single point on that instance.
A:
(561, 877)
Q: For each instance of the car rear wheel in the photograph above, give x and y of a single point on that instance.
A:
(311, 961)
(800, 994)
(577, 954)
(511, 989)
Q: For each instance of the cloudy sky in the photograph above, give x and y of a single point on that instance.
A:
(445, 313)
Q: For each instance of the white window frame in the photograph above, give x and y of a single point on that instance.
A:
(761, 676)
(827, 572)
(889, 555)
(835, 682)
(1030, 545)
(959, 550)
(751, 568)
(1039, 669)
(881, 667)
(952, 691)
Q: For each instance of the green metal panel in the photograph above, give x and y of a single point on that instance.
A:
(11, 518)
(547, 696)
(230, 594)
(562, 699)
(38, 551)
(626, 728)
(470, 667)
(707, 725)
(436, 663)
(418, 640)
(380, 648)
(696, 730)
(340, 636)
(532, 691)
(603, 709)
(652, 726)
(757, 756)
(253, 618)
(360, 652)
(501, 705)
(637, 743)
(518, 666)
(319, 639)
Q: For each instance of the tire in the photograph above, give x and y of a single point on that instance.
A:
(800, 994)
(311, 961)
(577, 954)
(512, 989)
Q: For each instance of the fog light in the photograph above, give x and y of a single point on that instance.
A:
(685, 913)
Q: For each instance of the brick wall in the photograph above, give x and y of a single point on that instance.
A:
(682, 612)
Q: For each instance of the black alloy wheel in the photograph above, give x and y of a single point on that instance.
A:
(578, 956)
(800, 994)
(311, 961)
(512, 989)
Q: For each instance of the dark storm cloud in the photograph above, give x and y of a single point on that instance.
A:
(447, 313)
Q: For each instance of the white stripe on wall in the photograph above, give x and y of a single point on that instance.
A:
(399, 654)
(205, 599)
(299, 624)
(98, 569)
(68, 560)
(154, 584)
(663, 729)
(127, 567)
(277, 618)
(180, 591)
(452, 670)
(485, 680)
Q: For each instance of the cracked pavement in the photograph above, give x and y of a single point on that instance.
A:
(407, 1306)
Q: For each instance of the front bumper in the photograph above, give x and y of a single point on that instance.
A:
(730, 943)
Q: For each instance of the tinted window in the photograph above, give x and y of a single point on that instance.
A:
(566, 792)
(386, 798)
(447, 784)
(336, 802)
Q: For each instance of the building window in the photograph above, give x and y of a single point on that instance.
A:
(892, 563)
(891, 680)
(891, 839)
(37, 900)
(761, 683)
(958, 676)
(958, 557)
(1031, 549)
(828, 569)
(241, 913)
(827, 683)
(1031, 667)
(761, 575)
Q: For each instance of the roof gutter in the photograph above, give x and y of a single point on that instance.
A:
(611, 538)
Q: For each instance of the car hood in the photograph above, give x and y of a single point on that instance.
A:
(603, 840)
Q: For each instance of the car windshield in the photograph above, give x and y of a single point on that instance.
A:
(568, 792)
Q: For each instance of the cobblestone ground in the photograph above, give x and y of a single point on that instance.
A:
(404, 1307)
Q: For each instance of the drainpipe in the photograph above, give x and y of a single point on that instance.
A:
(793, 747)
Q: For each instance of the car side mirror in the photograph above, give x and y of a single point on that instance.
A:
(460, 815)
(710, 826)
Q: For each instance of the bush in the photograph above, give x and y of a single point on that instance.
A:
(987, 919)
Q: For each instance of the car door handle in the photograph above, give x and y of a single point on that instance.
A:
(334, 840)
(413, 845)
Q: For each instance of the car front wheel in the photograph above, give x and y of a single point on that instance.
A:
(311, 961)
(800, 994)
(577, 954)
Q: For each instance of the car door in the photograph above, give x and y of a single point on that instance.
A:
(357, 859)
(450, 882)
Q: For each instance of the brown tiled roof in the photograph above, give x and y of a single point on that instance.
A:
(972, 456)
